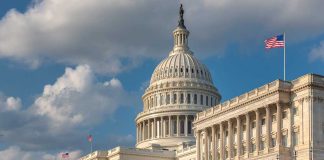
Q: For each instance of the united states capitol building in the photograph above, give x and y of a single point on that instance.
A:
(183, 119)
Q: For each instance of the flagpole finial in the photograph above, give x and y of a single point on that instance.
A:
(181, 20)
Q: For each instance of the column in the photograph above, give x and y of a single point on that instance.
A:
(142, 131)
(221, 141)
(170, 126)
(230, 135)
(186, 125)
(163, 126)
(213, 148)
(178, 126)
(257, 137)
(267, 128)
(198, 145)
(248, 139)
(137, 133)
(278, 124)
(206, 144)
(147, 130)
(154, 128)
(238, 141)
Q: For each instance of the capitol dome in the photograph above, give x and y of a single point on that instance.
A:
(180, 87)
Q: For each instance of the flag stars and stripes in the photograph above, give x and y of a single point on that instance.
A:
(275, 42)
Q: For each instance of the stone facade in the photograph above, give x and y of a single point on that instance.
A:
(182, 118)
(276, 120)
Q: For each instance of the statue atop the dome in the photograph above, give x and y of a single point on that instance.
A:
(181, 20)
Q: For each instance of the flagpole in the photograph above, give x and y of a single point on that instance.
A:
(91, 146)
(284, 56)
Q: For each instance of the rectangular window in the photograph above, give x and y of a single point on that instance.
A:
(295, 110)
(263, 121)
(253, 124)
(174, 98)
(181, 98)
(195, 99)
(167, 99)
(295, 138)
(201, 99)
(188, 99)
(175, 127)
(273, 142)
(189, 127)
(211, 101)
(206, 100)
(274, 118)
(284, 140)
(284, 114)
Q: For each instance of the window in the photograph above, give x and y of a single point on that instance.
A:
(174, 127)
(295, 138)
(188, 99)
(211, 101)
(274, 118)
(253, 124)
(201, 99)
(284, 140)
(167, 99)
(189, 127)
(174, 98)
(192, 70)
(284, 114)
(175, 70)
(263, 121)
(181, 98)
(182, 126)
(181, 70)
(186, 70)
(206, 100)
(226, 133)
(273, 142)
(253, 147)
(161, 100)
(262, 145)
(295, 110)
(244, 127)
(195, 99)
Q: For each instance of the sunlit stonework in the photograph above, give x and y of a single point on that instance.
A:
(182, 118)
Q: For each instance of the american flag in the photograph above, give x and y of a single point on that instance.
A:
(90, 138)
(65, 155)
(275, 42)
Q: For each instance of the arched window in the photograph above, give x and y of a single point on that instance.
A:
(181, 98)
(188, 99)
(195, 99)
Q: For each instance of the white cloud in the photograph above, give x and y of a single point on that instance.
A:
(317, 53)
(112, 35)
(64, 113)
(9, 103)
(15, 152)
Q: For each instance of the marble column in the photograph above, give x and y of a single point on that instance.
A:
(213, 148)
(230, 135)
(238, 131)
(178, 126)
(206, 144)
(221, 145)
(198, 145)
(154, 129)
(268, 140)
(170, 133)
(147, 129)
(248, 139)
(279, 124)
(257, 137)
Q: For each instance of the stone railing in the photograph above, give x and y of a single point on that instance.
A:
(265, 89)
(171, 107)
(186, 150)
(105, 154)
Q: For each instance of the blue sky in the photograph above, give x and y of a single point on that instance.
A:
(89, 62)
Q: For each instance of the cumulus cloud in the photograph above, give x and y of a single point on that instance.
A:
(317, 53)
(61, 116)
(112, 35)
(15, 152)
(9, 103)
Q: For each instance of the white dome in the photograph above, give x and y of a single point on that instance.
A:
(181, 65)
